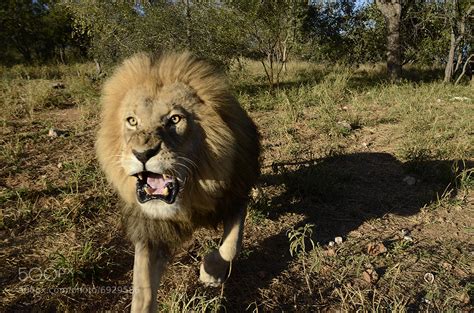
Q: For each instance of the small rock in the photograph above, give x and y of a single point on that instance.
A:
(408, 238)
(370, 276)
(52, 133)
(438, 100)
(256, 193)
(60, 165)
(329, 252)
(447, 266)
(344, 108)
(331, 244)
(338, 240)
(57, 85)
(365, 144)
(376, 248)
(410, 180)
(464, 298)
(345, 125)
(429, 278)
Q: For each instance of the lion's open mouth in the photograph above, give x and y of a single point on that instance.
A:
(153, 186)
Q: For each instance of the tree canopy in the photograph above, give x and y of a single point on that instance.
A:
(270, 31)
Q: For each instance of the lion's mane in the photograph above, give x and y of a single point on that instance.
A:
(227, 164)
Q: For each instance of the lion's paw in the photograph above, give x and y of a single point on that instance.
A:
(214, 269)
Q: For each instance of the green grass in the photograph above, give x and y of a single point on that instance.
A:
(326, 133)
(80, 264)
(179, 301)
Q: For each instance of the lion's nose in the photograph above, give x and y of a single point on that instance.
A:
(144, 156)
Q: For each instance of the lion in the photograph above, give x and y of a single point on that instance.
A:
(181, 152)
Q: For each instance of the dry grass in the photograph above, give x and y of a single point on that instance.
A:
(346, 154)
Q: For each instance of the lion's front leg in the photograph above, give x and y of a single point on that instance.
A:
(215, 266)
(148, 267)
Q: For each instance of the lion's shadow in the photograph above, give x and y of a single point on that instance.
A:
(336, 194)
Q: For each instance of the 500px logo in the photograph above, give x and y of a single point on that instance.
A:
(40, 274)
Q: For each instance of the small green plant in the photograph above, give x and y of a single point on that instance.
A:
(84, 262)
(464, 179)
(26, 210)
(179, 301)
(298, 238)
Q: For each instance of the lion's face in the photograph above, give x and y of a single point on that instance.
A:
(173, 141)
(160, 141)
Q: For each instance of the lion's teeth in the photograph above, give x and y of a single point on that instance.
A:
(166, 191)
(148, 190)
(165, 176)
(140, 176)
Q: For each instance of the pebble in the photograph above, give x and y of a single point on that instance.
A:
(429, 278)
(57, 85)
(345, 125)
(52, 133)
(410, 180)
(338, 240)
(370, 276)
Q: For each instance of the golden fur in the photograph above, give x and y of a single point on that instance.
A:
(219, 148)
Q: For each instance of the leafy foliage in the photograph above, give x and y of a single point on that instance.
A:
(36, 30)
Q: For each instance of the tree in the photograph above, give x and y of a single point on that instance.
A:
(119, 29)
(38, 30)
(423, 32)
(344, 32)
(272, 28)
(392, 11)
(458, 26)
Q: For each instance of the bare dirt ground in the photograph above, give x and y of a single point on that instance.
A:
(405, 226)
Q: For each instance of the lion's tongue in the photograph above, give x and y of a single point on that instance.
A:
(158, 184)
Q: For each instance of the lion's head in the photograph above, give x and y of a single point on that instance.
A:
(173, 140)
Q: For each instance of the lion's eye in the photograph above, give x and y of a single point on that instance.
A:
(132, 121)
(175, 119)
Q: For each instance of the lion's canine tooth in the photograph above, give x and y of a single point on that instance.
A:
(165, 176)
(148, 190)
(140, 176)
(166, 191)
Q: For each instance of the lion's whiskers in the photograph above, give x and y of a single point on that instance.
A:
(186, 168)
(191, 162)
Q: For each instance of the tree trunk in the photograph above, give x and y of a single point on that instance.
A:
(458, 32)
(464, 70)
(449, 69)
(392, 10)
(458, 62)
